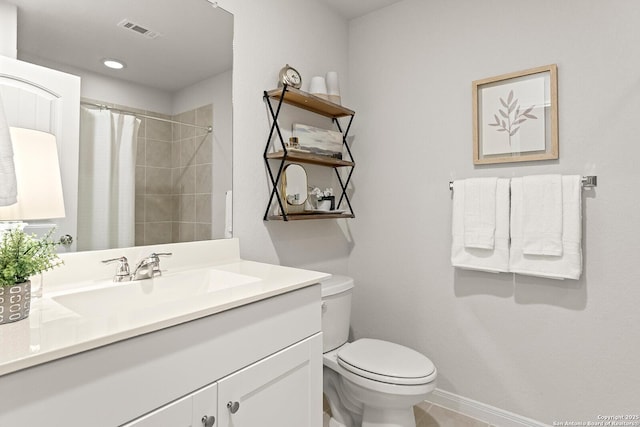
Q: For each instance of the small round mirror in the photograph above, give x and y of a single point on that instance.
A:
(295, 184)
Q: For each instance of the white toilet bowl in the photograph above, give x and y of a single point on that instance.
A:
(369, 382)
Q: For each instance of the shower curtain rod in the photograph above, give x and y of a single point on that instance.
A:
(209, 129)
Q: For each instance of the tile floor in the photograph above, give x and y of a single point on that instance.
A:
(431, 415)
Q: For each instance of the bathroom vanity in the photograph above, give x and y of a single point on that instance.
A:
(214, 341)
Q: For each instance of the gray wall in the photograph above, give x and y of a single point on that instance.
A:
(549, 350)
(267, 35)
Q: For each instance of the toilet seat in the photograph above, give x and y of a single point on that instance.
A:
(386, 362)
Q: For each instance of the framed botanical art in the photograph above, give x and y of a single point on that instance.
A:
(515, 117)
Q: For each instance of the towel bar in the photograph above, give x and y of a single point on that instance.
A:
(588, 181)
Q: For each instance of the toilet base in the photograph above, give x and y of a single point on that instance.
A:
(376, 417)
(354, 406)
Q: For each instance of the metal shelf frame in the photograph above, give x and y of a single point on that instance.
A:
(274, 100)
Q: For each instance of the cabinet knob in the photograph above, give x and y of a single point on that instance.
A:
(233, 407)
(208, 421)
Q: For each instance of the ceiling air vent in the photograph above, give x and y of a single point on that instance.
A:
(130, 25)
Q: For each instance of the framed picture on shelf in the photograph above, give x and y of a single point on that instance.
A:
(515, 117)
(318, 141)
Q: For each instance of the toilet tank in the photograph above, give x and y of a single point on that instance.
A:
(336, 311)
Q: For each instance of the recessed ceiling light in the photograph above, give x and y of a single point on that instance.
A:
(113, 64)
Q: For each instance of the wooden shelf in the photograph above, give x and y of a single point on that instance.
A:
(310, 215)
(314, 159)
(275, 160)
(310, 102)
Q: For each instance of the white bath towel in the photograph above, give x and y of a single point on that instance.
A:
(479, 212)
(542, 215)
(492, 260)
(569, 264)
(8, 184)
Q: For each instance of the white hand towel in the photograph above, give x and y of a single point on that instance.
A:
(480, 212)
(569, 264)
(492, 260)
(8, 184)
(542, 215)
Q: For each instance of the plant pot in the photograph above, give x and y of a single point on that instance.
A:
(324, 205)
(327, 203)
(15, 302)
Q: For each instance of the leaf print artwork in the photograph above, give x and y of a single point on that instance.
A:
(511, 116)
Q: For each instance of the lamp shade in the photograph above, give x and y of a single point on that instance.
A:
(37, 175)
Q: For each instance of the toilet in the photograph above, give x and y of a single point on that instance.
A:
(368, 382)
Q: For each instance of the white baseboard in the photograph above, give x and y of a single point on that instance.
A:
(481, 411)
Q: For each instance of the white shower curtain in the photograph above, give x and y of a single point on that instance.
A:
(106, 196)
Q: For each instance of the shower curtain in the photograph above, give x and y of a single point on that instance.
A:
(106, 193)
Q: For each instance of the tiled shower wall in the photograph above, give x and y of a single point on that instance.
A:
(191, 159)
(173, 179)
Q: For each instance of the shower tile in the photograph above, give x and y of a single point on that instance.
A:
(156, 233)
(203, 208)
(204, 150)
(187, 208)
(184, 180)
(175, 130)
(142, 129)
(139, 208)
(175, 232)
(187, 152)
(158, 153)
(187, 231)
(139, 239)
(204, 115)
(159, 181)
(190, 118)
(175, 154)
(203, 232)
(158, 208)
(140, 152)
(203, 179)
(175, 208)
(141, 172)
(158, 130)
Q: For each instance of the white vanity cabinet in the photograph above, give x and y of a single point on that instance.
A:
(265, 357)
(196, 409)
(280, 390)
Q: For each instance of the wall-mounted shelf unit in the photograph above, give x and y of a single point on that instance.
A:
(280, 157)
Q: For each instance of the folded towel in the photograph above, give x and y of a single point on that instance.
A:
(479, 212)
(8, 185)
(542, 215)
(569, 264)
(492, 260)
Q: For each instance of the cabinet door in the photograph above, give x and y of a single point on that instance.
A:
(186, 412)
(284, 390)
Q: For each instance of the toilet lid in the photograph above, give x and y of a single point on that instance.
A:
(386, 362)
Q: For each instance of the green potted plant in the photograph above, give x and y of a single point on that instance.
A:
(21, 257)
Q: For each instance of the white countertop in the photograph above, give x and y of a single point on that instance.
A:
(53, 331)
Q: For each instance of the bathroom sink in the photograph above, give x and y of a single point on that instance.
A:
(161, 292)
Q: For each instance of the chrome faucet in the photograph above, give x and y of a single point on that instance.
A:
(148, 267)
(122, 271)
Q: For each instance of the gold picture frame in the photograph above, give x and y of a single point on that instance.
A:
(515, 117)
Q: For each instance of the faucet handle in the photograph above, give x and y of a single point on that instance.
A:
(158, 254)
(155, 256)
(122, 271)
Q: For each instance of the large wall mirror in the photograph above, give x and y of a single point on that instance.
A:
(150, 170)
